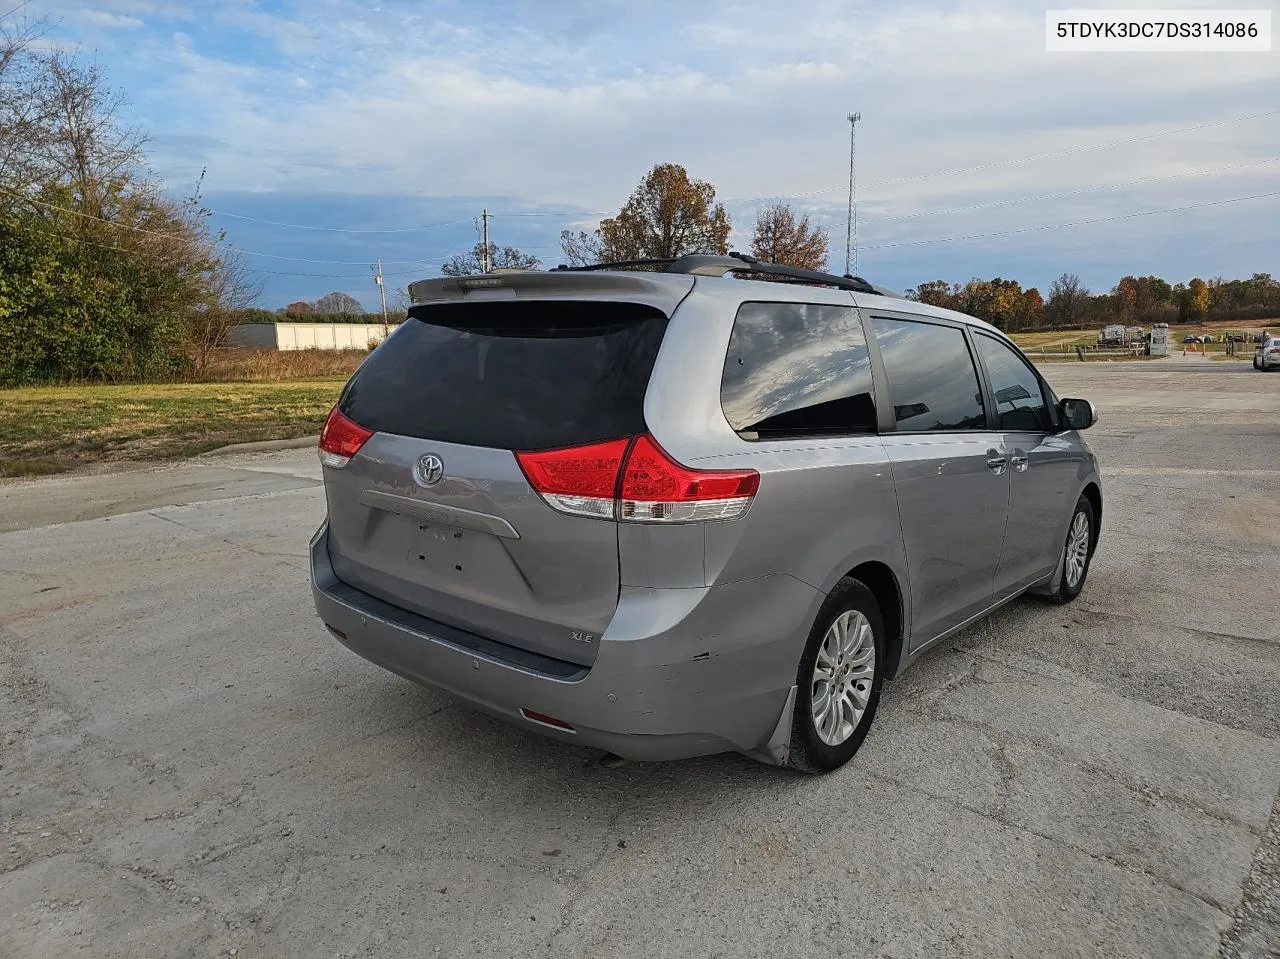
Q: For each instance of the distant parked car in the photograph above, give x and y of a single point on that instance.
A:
(1207, 338)
(1267, 356)
(1191, 339)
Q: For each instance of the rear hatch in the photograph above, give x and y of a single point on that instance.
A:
(435, 513)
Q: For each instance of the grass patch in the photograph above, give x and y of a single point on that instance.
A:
(36, 467)
(1055, 339)
(51, 429)
(233, 364)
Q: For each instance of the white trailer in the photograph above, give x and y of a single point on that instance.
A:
(1112, 335)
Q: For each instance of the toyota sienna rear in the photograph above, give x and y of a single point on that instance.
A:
(671, 513)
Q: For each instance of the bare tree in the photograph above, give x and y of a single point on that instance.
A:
(1068, 298)
(26, 108)
(94, 155)
(343, 304)
(398, 303)
(500, 258)
(231, 289)
(781, 238)
(581, 248)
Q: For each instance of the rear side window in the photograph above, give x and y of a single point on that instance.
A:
(1020, 402)
(518, 376)
(932, 379)
(797, 369)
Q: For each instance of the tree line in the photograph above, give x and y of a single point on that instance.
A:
(1134, 300)
(102, 275)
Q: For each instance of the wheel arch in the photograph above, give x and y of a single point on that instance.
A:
(883, 583)
(1093, 493)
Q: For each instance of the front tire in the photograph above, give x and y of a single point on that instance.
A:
(838, 680)
(1077, 553)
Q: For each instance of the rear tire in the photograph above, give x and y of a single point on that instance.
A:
(842, 669)
(1077, 553)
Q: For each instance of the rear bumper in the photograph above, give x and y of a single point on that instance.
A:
(679, 672)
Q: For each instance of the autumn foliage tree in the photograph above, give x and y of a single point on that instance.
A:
(1195, 300)
(668, 215)
(102, 275)
(781, 238)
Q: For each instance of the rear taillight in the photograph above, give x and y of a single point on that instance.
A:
(582, 480)
(653, 487)
(340, 439)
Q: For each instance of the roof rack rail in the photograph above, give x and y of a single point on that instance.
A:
(621, 265)
(710, 264)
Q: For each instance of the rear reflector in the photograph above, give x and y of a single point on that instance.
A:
(546, 720)
(341, 439)
(337, 632)
(636, 481)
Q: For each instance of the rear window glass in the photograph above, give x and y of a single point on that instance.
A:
(932, 379)
(519, 376)
(797, 369)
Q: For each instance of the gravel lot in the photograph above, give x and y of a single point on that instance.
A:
(190, 766)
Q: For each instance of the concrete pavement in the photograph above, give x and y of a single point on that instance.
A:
(191, 766)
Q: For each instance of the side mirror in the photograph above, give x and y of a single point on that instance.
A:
(1077, 414)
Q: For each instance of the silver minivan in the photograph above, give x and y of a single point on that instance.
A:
(671, 508)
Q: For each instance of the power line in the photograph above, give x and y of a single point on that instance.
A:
(180, 236)
(155, 256)
(566, 213)
(998, 164)
(791, 196)
(1059, 226)
(14, 10)
(339, 229)
(1066, 193)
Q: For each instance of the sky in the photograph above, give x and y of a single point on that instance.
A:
(334, 132)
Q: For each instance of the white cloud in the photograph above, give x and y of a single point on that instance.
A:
(101, 18)
(571, 103)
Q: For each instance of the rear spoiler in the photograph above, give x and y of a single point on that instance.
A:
(660, 290)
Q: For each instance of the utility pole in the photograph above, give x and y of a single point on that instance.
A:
(484, 256)
(382, 292)
(851, 223)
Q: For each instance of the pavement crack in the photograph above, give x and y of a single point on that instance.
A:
(936, 711)
(222, 539)
(1193, 630)
(570, 905)
(1255, 926)
(999, 817)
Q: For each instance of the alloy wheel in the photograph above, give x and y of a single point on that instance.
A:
(843, 674)
(1077, 549)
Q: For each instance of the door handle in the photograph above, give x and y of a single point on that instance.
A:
(1019, 461)
(996, 462)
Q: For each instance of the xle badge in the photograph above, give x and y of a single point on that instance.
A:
(578, 637)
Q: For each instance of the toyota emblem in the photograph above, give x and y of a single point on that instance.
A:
(429, 470)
